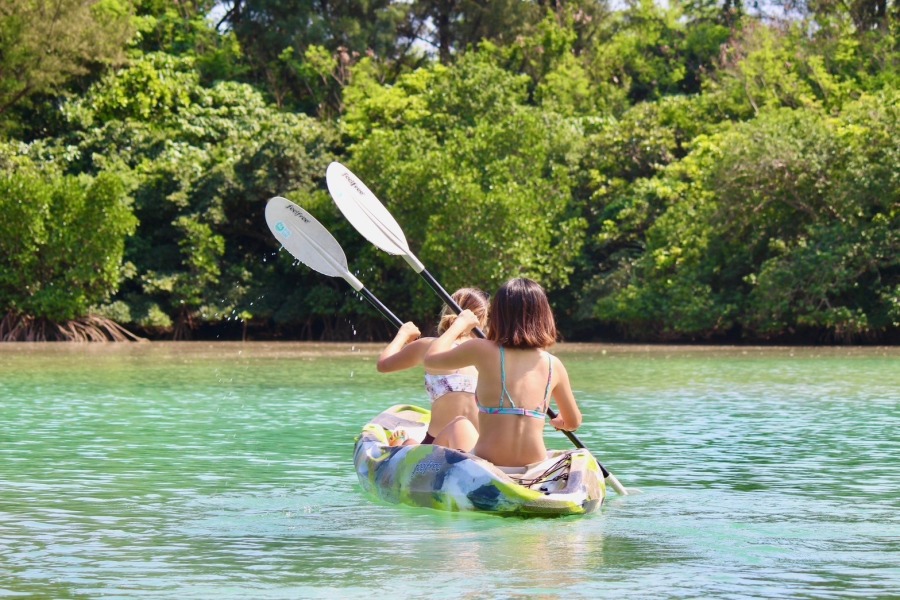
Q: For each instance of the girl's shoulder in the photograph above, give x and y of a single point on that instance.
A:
(480, 347)
(555, 363)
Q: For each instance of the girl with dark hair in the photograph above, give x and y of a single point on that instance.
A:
(517, 378)
(452, 391)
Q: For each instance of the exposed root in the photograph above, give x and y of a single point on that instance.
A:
(24, 328)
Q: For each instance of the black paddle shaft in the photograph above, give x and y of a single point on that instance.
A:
(384, 310)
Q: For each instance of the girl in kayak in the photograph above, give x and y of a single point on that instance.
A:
(517, 377)
(452, 391)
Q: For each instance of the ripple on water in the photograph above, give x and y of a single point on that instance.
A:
(198, 471)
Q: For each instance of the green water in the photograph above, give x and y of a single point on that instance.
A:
(224, 471)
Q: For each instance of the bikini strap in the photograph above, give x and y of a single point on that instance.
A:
(504, 393)
(549, 377)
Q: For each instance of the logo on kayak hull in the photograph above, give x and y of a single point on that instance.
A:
(427, 467)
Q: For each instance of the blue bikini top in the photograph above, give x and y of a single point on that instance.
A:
(512, 409)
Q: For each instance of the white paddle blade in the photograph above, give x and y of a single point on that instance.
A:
(620, 489)
(305, 238)
(367, 215)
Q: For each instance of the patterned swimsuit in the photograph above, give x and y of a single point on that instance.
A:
(438, 385)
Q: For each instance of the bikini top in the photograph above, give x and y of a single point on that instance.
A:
(438, 385)
(512, 409)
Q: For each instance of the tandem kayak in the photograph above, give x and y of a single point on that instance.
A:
(568, 482)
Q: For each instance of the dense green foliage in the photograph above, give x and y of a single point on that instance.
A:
(62, 238)
(44, 43)
(783, 222)
(688, 172)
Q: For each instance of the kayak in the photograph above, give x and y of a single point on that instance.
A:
(568, 482)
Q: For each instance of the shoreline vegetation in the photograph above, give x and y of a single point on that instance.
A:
(201, 350)
(704, 172)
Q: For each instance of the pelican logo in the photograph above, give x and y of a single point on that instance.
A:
(282, 229)
(353, 183)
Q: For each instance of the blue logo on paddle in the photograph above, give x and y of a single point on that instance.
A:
(282, 229)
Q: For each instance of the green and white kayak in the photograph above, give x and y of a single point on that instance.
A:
(566, 483)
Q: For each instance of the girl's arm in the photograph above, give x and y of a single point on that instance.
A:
(569, 417)
(403, 353)
(443, 355)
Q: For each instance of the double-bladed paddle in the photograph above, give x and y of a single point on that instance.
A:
(371, 219)
(309, 242)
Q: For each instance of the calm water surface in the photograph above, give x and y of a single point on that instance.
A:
(225, 471)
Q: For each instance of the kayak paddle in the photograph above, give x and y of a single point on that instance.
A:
(375, 223)
(309, 242)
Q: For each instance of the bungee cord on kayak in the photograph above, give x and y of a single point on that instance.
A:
(561, 467)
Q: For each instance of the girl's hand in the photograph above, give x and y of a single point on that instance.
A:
(405, 350)
(468, 319)
(558, 422)
(409, 331)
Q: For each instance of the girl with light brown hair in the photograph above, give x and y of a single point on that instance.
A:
(452, 391)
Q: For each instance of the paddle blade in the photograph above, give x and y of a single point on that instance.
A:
(305, 238)
(367, 215)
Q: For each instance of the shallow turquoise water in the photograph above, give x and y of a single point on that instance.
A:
(224, 470)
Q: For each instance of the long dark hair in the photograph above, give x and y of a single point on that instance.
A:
(521, 317)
